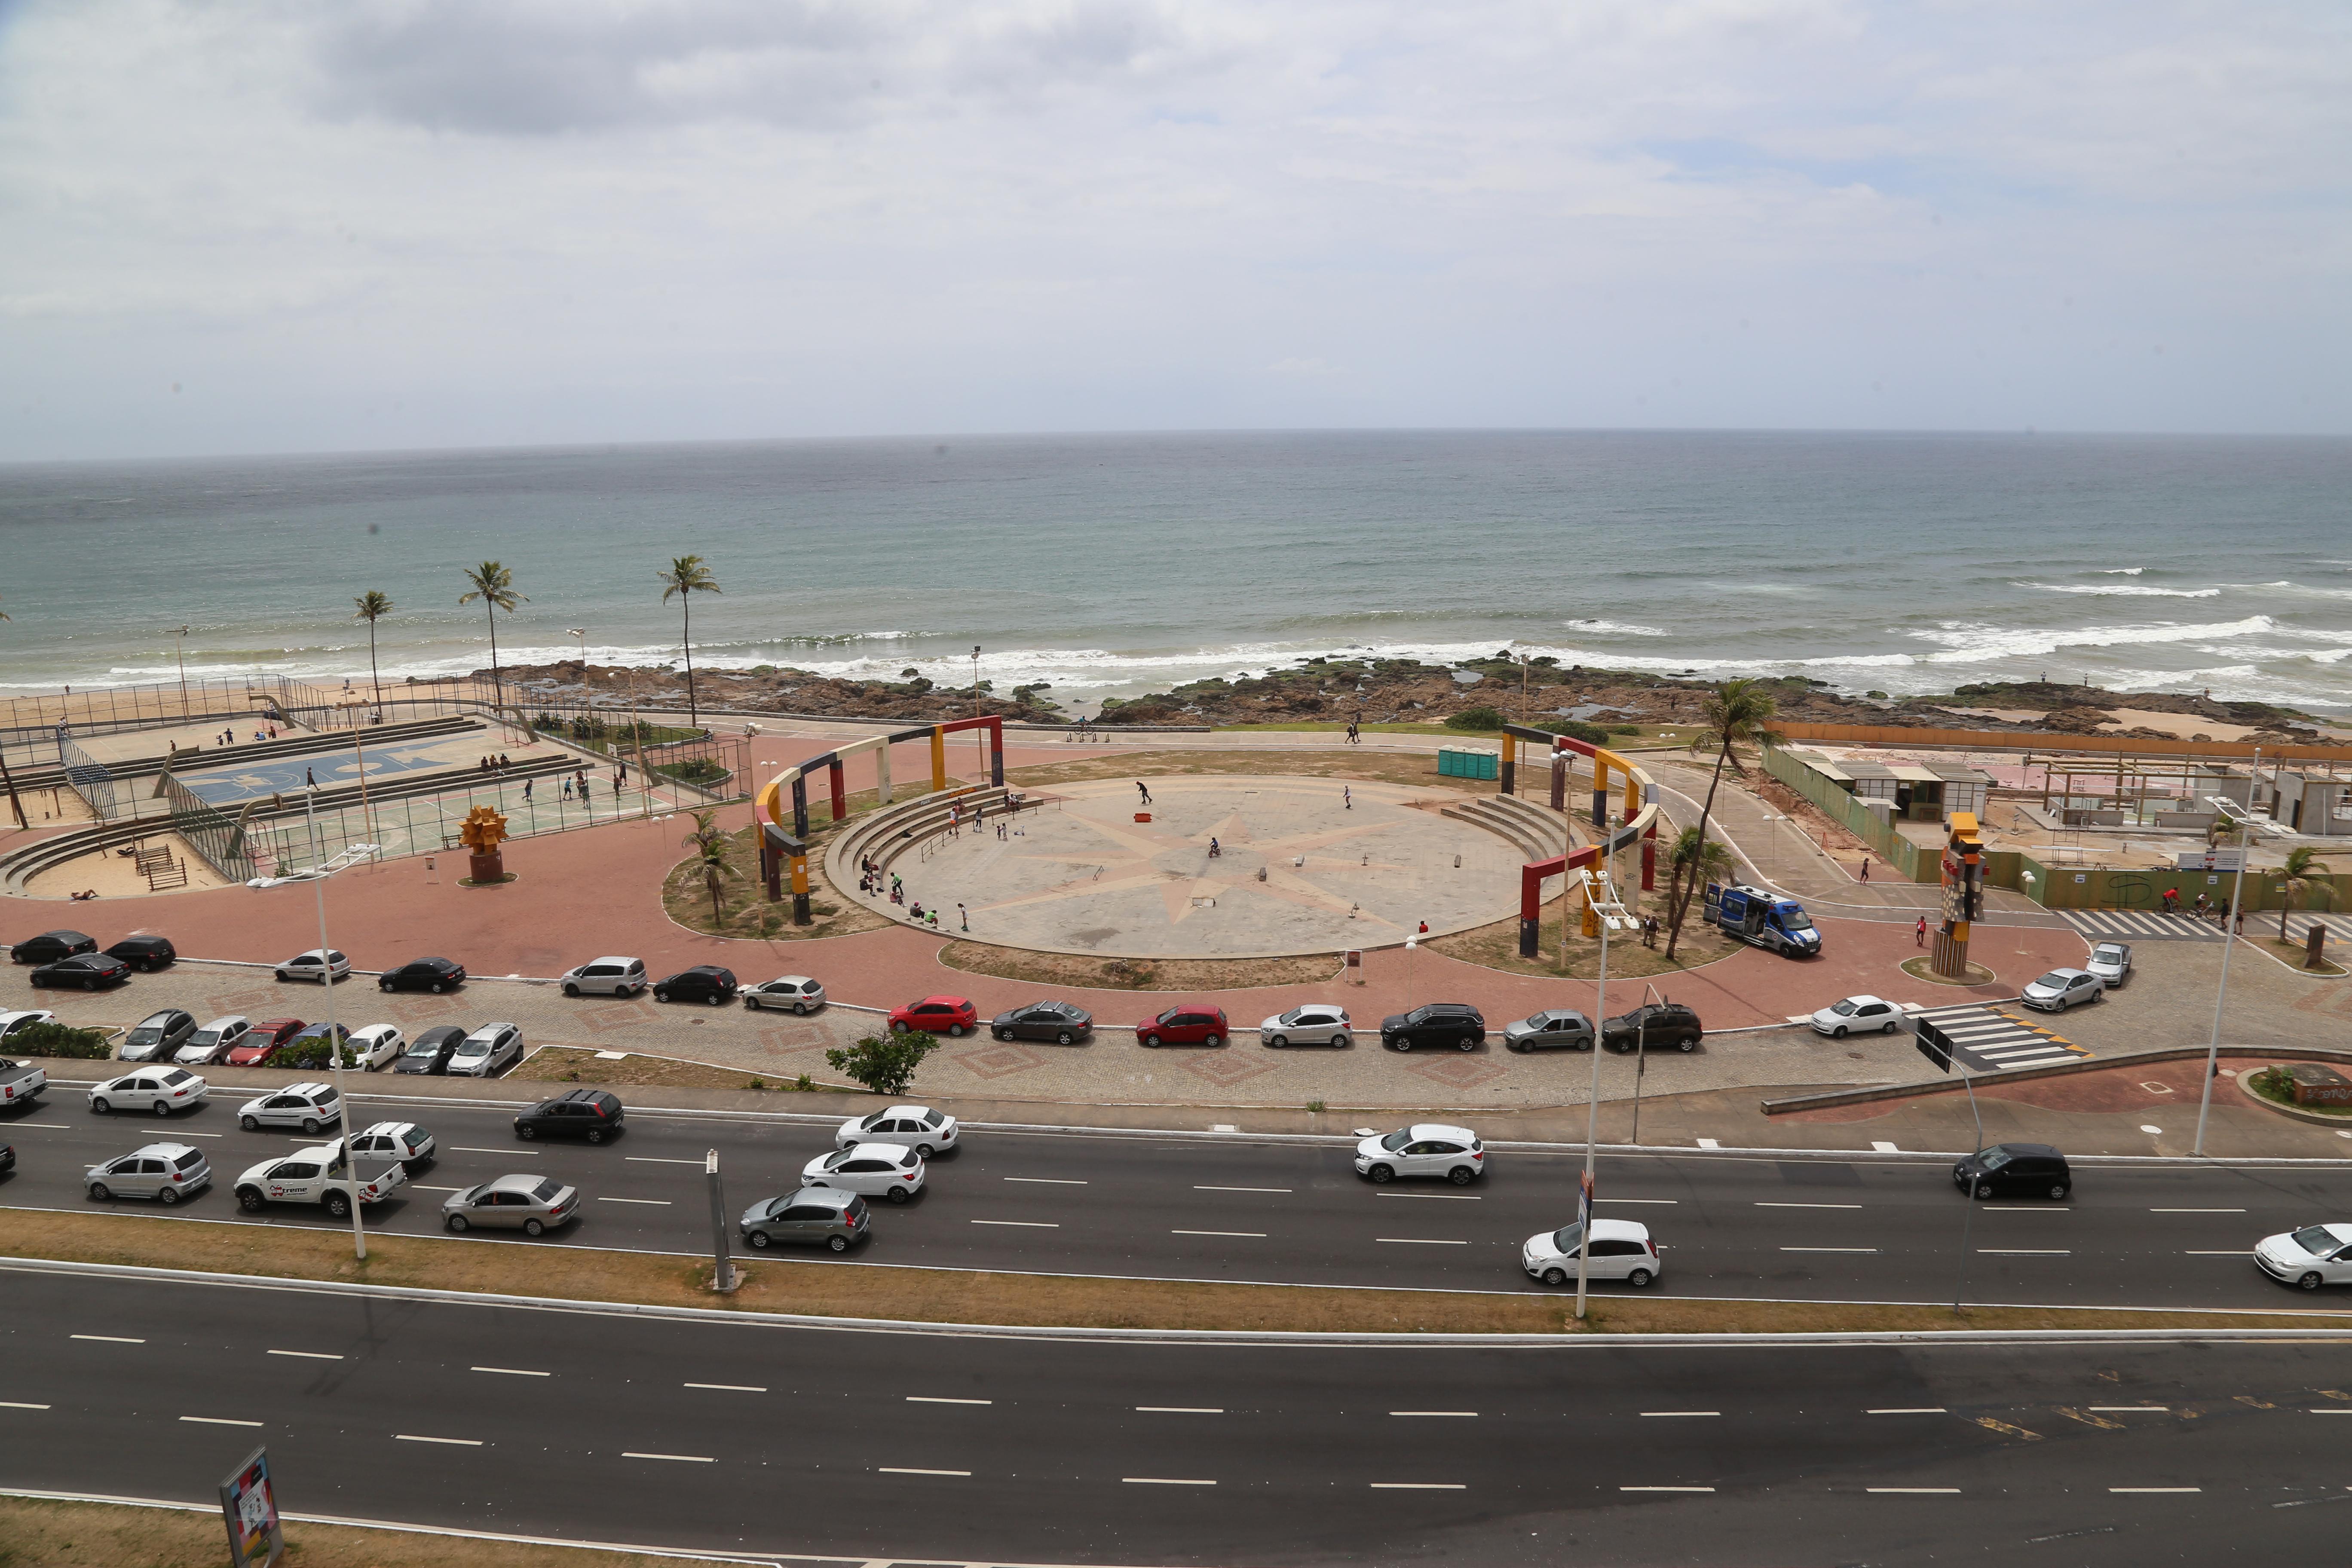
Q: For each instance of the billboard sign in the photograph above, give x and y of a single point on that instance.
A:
(249, 1506)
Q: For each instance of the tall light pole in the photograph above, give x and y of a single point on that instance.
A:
(1604, 904)
(2228, 945)
(180, 648)
(581, 632)
(316, 875)
(979, 736)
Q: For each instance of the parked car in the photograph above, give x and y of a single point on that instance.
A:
(1435, 1025)
(1186, 1024)
(813, 1217)
(593, 1114)
(377, 1044)
(487, 1052)
(1313, 1023)
(257, 1044)
(52, 946)
(1858, 1016)
(1424, 1149)
(2063, 988)
(434, 974)
(403, 1141)
(214, 1041)
(158, 1088)
(950, 1016)
(2014, 1169)
(1654, 1026)
(158, 1037)
(532, 1205)
(1621, 1249)
(319, 1034)
(22, 1019)
(703, 983)
(2111, 962)
(1554, 1029)
(920, 1128)
(606, 977)
(786, 993)
(146, 953)
(2315, 1256)
(1056, 1021)
(320, 964)
(307, 1106)
(87, 971)
(430, 1051)
(165, 1172)
(875, 1169)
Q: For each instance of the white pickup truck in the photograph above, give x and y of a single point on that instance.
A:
(319, 1175)
(20, 1083)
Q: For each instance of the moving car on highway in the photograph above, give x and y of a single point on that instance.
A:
(1621, 1249)
(403, 1141)
(52, 946)
(872, 1170)
(1187, 1023)
(83, 971)
(322, 1176)
(165, 1172)
(2014, 1169)
(1059, 1022)
(813, 1217)
(591, 1114)
(2315, 1256)
(1554, 1029)
(532, 1205)
(1424, 1149)
(617, 976)
(214, 1041)
(321, 964)
(487, 1052)
(307, 1107)
(1858, 1016)
(158, 1088)
(949, 1015)
(20, 1082)
(2063, 988)
(2111, 962)
(158, 1037)
(1312, 1024)
(1435, 1025)
(920, 1128)
(786, 993)
(434, 974)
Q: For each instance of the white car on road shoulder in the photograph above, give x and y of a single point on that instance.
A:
(378, 1045)
(1858, 1016)
(1621, 1249)
(1309, 1024)
(889, 1170)
(158, 1088)
(403, 1141)
(924, 1130)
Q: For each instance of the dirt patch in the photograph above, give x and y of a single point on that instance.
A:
(562, 1063)
(743, 910)
(1497, 946)
(2293, 954)
(106, 1535)
(1061, 971)
(1415, 770)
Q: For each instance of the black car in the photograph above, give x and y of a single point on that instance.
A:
(146, 952)
(8, 1158)
(591, 1113)
(88, 970)
(431, 1051)
(1056, 1021)
(2014, 1169)
(1435, 1025)
(1654, 1026)
(157, 1037)
(434, 974)
(703, 983)
(52, 946)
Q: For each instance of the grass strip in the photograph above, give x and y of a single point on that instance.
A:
(827, 1288)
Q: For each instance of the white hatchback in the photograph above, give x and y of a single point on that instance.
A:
(214, 1041)
(611, 976)
(920, 1128)
(161, 1089)
(377, 1044)
(1312, 1024)
(320, 963)
(1621, 1249)
(889, 1170)
(1858, 1016)
(1424, 1149)
(309, 1107)
(403, 1141)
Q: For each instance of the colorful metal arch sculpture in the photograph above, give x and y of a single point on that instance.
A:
(1638, 821)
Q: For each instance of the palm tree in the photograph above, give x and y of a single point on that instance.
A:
(709, 845)
(1739, 713)
(687, 577)
(1694, 862)
(2304, 866)
(494, 585)
(374, 608)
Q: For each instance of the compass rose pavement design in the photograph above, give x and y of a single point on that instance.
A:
(1301, 870)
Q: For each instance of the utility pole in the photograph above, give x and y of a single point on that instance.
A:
(1611, 911)
(2228, 945)
(723, 1278)
(180, 648)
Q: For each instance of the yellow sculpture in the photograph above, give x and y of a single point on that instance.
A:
(482, 832)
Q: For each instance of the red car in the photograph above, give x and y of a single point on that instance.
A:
(1186, 1024)
(936, 1015)
(257, 1046)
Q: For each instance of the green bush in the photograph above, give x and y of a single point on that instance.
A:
(60, 1040)
(1591, 734)
(1624, 729)
(311, 1053)
(884, 1063)
(1476, 719)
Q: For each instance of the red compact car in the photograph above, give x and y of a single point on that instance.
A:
(1186, 1024)
(937, 1015)
(257, 1046)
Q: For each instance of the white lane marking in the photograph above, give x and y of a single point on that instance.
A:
(909, 1470)
(1201, 1189)
(1148, 1409)
(1432, 1413)
(1418, 1241)
(1161, 1482)
(2196, 1210)
(1667, 1201)
(177, 1132)
(1703, 1143)
(470, 1149)
(1417, 1486)
(650, 1203)
(2235, 1252)
(2024, 1252)
(659, 1160)
(20, 1405)
(2332, 1412)
(1666, 1489)
(2027, 1209)
(1913, 1491)
(1682, 1412)
(1046, 1181)
(1255, 1234)
(1443, 1198)
(2126, 1409)
(307, 1356)
(453, 1442)
(1909, 1410)
(108, 1339)
(1773, 1205)
(218, 1421)
(2156, 1488)
(512, 1370)
(728, 1387)
(1829, 1249)
(943, 1399)
(1020, 1224)
(675, 1459)
(423, 1188)
(68, 1127)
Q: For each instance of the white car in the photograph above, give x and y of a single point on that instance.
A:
(377, 1044)
(320, 964)
(1858, 1016)
(310, 1107)
(161, 1089)
(1621, 1249)
(2315, 1256)
(2111, 962)
(214, 1041)
(1313, 1023)
(165, 1172)
(25, 1019)
(889, 1170)
(2063, 988)
(403, 1141)
(487, 1051)
(606, 977)
(786, 993)
(1424, 1149)
(921, 1129)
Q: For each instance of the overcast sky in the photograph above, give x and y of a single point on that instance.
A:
(271, 226)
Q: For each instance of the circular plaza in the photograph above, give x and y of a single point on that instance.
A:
(1215, 866)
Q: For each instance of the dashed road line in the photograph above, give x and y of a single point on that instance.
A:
(20, 1405)
(1201, 1189)
(728, 1387)
(108, 1339)
(1909, 1410)
(911, 1470)
(1682, 1412)
(510, 1370)
(1450, 1413)
(1418, 1241)
(659, 1160)
(1782, 1206)
(218, 1421)
(1161, 1482)
(307, 1356)
(674, 1458)
(1152, 1409)
(1912, 1491)
(1666, 1489)
(1047, 1181)
(453, 1442)
(1418, 1485)
(2154, 1490)
(1019, 1223)
(1253, 1234)
(1829, 1249)
(943, 1399)
(1438, 1197)
(649, 1203)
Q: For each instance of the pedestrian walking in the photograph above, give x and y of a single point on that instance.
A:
(1143, 792)
(963, 915)
(1920, 935)
(1346, 798)
(583, 788)
(310, 779)
(567, 789)
(526, 790)
(1865, 871)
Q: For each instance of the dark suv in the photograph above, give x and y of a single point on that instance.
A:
(703, 983)
(591, 1113)
(2014, 1169)
(146, 952)
(1654, 1026)
(1435, 1025)
(434, 974)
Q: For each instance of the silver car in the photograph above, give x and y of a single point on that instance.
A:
(487, 1051)
(2063, 988)
(214, 1041)
(529, 1204)
(785, 993)
(161, 1089)
(606, 977)
(310, 1107)
(2111, 962)
(1313, 1023)
(158, 1037)
(813, 1217)
(1554, 1029)
(165, 1172)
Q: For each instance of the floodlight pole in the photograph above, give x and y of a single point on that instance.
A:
(2221, 995)
(1608, 909)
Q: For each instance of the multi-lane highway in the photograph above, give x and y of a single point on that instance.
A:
(1238, 1209)
(1033, 1449)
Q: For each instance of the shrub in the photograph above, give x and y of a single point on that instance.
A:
(1476, 719)
(884, 1063)
(311, 1053)
(60, 1040)
(1624, 729)
(1591, 734)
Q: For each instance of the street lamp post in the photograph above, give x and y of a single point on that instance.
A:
(316, 875)
(2221, 995)
(1602, 897)
(181, 650)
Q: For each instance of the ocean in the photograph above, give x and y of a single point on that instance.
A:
(1110, 565)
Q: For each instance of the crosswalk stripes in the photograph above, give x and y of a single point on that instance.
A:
(2299, 926)
(1988, 1040)
(2143, 925)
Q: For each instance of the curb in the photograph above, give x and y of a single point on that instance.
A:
(2058, 1069)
